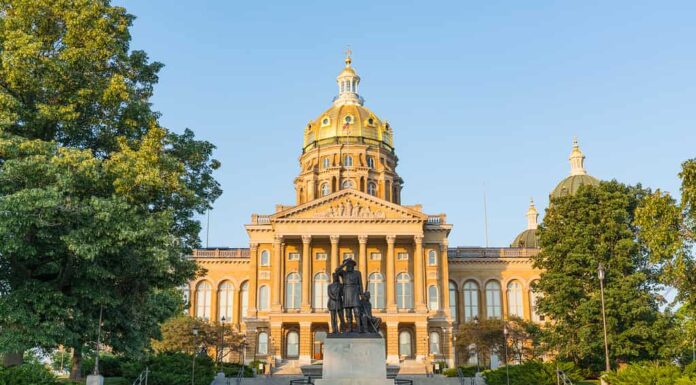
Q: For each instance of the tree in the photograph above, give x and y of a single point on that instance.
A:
(597, 225)
(668, 230)
(483, 338)
(178, 336)
(97, 200)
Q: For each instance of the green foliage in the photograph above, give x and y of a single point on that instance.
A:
(597, 225)
(173, 369)
(27, 374)
(109, 365)
(177, 336)
(650, 374)
(467, 371)
(232, 370)
(98, 200)
(531, 372)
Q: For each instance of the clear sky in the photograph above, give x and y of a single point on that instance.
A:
(481, 95)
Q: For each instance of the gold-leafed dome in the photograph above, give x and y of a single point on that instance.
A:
(348, 120)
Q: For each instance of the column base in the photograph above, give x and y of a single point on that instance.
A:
(306, 309)
(421, 308)
(391, 309)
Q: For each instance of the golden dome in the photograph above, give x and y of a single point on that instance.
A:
(347, 120)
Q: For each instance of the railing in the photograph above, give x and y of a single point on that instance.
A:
(257, 219)
(302, 381)
(491, 252)
(346, 140)
(562, 378)
(142, 378)
(240, 374)
(402, 381)
(440, 219)
(221, 253)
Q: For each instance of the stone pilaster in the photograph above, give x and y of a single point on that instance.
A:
(421, 347)
(391, 282)
(362, 240)
(251, 289)
(305, 342)
(393, 343)
(444, 282)
(306, 272)
(334, 253)
(418, 266)
(277, 272)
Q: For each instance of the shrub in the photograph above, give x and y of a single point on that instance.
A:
(531, 372)
(172, 369)
(467, 371)
(109, 365)
(27, 374)
(232, 370)
(650, 374)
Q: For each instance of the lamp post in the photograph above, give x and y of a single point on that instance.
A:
(601, 275)
(222, 342)
(476, 347)
(195, 352)
(507, 368)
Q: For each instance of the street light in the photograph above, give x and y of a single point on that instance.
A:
(507, 367)
(478, 366)
(222, 343)
(600, 274)
(195, 348)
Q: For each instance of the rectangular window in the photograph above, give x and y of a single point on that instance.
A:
(402, 257)
(376, 256)
(321, 256)
(294, 257)
(348, 256)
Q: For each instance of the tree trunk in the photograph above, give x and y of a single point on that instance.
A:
(12, 359)
(76, 365)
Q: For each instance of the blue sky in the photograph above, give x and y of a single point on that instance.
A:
(481, 95)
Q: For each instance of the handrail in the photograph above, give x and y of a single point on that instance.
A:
(563, 378)
(142, 377)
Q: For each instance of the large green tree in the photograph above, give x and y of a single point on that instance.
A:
(597, 225)
(97, 200)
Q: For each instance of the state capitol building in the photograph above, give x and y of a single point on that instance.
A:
(348, 205)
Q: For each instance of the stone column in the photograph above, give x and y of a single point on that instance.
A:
(391, 282)
(362, 239)
(334, 255)
(306, 272)
(418, 262)
(445, 279)
(251, 290)
(305, 343)
(275, 342)
(421, 341)
(393, 343)
(277, 271)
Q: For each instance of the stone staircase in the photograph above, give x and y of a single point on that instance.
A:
(412, 367)
(288, 368)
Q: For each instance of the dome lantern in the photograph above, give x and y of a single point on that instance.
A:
(348, 81)
(532, 216)
(577, 160)
(578, 175)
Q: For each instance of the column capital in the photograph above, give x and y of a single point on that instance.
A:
(391, 239)
(334, 238)
(418, 239)
(278, 239)
(443, 244)
(253, 245)
(306, 238)
(362, 239)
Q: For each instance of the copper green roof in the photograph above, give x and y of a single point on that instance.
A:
(571, 184)
(527, 238)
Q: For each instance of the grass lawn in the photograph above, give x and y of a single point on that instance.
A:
(588, 382)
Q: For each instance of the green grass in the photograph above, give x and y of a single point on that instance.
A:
(588, 382)
(107, 381)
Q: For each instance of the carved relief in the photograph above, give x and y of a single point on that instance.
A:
(347, 209)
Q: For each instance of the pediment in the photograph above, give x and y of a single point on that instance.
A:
(349, 205)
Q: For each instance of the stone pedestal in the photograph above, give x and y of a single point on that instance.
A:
(354, 361)
(94, 380)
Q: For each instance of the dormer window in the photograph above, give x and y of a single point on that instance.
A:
(326, 162)
(348, 119)
(325, 122)
(348, 161)
(324, 189)
(370, 162)
(370, 121)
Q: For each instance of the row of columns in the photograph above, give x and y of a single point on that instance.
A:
(306, 266)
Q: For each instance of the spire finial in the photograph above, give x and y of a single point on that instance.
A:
(348, 53)
(532, 215)
(577, 159)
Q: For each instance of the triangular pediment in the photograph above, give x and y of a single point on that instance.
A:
(349, 205)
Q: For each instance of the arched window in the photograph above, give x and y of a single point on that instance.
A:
(348, 161)
(185, 297)
(370, 161)
(326, 162)
(405, 343)
(432, 257)
(262, 348)
(533, 300)
(263, 298)
(493, 306)
(471, 301)
(433, 298)
(203, 300)
(514, 297)
(244, 294)
(434, 343)
(321, 288)
(404, 291)
(318, 346)
(293, 291)
(324, 189)
(347, 184)
(225, 301)
(454, 313)
(376, 289)
(292, 345)
(372, 188)
(265, 258)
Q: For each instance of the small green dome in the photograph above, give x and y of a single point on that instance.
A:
(527, 238)
(571, 184)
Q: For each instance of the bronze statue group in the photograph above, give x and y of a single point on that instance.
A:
(348, 300)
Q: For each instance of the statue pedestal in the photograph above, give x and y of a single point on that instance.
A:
(354, 361)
